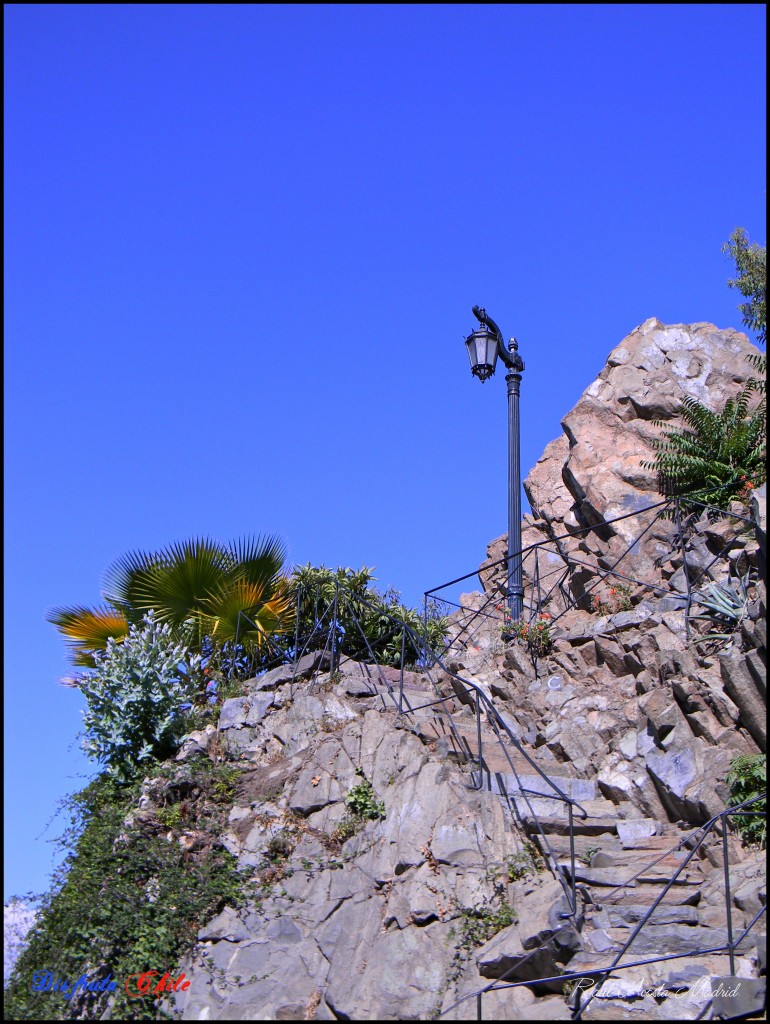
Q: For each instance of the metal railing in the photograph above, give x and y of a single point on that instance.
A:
(324, 631)
(596, 975)
(549, 592)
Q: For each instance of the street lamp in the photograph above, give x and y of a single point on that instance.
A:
(484, 346)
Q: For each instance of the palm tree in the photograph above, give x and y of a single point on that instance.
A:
(221, 593)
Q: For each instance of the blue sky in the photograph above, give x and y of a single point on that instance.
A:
(242, 246)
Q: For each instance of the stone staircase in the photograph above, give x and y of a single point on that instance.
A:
(621, 865)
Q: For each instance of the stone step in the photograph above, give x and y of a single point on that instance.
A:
(493, 756)
(645, 893)
(554, 821)
(628, 915)
(423, 700)
(656, 862)
(506, 783)
(672, 939)
(590, 964)
(631, 876)
(584, 845)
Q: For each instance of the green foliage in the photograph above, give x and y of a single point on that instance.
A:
(715, 456)
(751, 264)
(362, 801)
(747, 778)
(535, 635)
(222, 591)
(477, 925)
(523, 864)
(124, 900)
(135, 698)
(617, 598)
(346, 828)
(223, 783)
(280, 846)
(369, 623)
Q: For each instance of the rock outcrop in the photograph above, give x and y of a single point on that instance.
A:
(407, 839)
(593, 471)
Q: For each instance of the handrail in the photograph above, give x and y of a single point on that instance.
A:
(600, 973)
(671, 507)
(472, 691)
(551, 540)
(470, 687)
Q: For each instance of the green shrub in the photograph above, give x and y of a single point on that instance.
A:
(616, 599)
(535, 635)
(346, 828)
(714, 456)
(479, 924)
(362, 801)
(747, 778)
(125, 900)
(369, 623)
(136, 699)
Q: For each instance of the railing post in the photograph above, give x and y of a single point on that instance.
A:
(478, 738)
(728, 899)
(478, 1007)
(680, 531)
(296, 624)
(334, 659)
(401, 679)
(572, 857)
(425, 618)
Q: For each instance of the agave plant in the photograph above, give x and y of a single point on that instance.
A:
(726, 605)
(223, 593)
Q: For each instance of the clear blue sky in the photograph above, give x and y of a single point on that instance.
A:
(242, 246)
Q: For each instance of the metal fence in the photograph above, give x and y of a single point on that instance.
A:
(323, 632)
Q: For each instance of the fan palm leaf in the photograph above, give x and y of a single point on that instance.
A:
(249, 612)
(86, 630)
(198, 582)
(259, 560)
(177, 582)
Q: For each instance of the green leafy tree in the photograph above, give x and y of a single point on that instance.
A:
(124, 900)
(717, 456)
(748, 778)
(751, 266)
(222, 592)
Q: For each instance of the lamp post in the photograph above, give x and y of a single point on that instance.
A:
(484, 346)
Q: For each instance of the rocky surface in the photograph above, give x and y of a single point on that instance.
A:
(447, 887)
(395, 864)
(593, 471)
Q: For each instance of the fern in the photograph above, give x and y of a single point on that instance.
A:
(715, 456)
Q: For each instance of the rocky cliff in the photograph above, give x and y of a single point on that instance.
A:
(510, 815)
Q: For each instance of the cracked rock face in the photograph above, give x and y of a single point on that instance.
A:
(592, 472)
(362, 926)
(406, 910)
